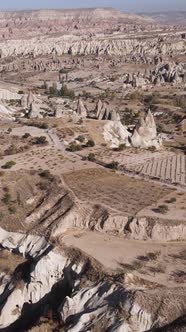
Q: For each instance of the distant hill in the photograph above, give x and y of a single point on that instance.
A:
(178, 18)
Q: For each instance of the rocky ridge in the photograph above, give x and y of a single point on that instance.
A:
(50, 283)
(98, 45)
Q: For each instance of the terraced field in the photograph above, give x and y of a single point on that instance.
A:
(165, 166)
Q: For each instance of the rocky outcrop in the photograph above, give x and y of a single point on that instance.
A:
(61, 211)
(27, 100)
(30, 99)
(103, 112)
(35, 112)
(145, 134)
(48, 285)
(115, 134)
(96, 45)
(24, 101)
(81, 110)
(44, 269)
(7, 95)
(6, 112)
(163, 74)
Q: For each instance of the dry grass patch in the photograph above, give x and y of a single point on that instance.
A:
(123, 193)
(9, 261)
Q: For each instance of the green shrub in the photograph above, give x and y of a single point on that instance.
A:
(171, 200)
(46, 174)
(26, 135)
(163, 209)
(64, 71)
(90, 143)
(73, 147)
(91, 157)
(12, 209)
(152, 256)
(8, 164)
(41, 125)
(80, 138)
(44, 125)
(41, 140)
(6, 198)
(152, 148)
(113, 165)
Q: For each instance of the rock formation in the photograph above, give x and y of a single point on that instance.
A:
(30, 99)
(27, 100)
(115, 134)
(81, 110)
(143, 136)
(103, 113)
(35, 111)
(163, 74)
(24, 101)
(6, 112)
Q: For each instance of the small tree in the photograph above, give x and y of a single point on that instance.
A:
(80, 138)
(41, 140)
(26, 135)
(73, 147)
(91, 157)
(163, 209)
(113, 165)
(90, 143)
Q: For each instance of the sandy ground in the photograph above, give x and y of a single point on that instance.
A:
(53, 156)
(116, 253)
(176, 204)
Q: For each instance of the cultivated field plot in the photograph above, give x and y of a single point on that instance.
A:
(171, 169)
(119, 192)
(164, 166)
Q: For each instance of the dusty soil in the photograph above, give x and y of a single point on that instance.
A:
(119, 192)
(153, 261)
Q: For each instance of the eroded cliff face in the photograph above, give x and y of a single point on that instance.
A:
(62, 211)
(97, 31)
(54, 283)
(97, 45)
